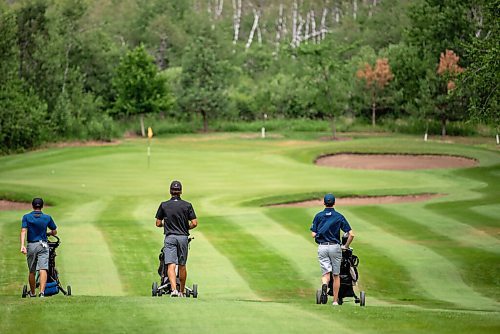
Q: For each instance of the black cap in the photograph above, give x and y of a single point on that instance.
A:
(37, 203)
(175, 186)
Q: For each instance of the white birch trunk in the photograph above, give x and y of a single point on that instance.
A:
(306, 27)
(279, 28)
(313, 27)
(254, 27)
(354, 9)
(299, 31)
(218, 8)
(477, 15)
(236, 19)
(372, 7)
(294, 23)
(336, 12)
(323, 29)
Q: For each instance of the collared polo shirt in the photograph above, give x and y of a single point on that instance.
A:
(176, 214)
(327, 225)
(37, 222)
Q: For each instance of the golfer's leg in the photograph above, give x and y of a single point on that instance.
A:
(336, 287)
(43, 280)
(171, 275)
(325, 279)
(324, 263)
(182, 277)
(31, 279)
(182, 252)
(32, 261)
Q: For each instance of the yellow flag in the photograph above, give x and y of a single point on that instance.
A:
(150, 133)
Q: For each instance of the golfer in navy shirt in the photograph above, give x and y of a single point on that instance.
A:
(34, 225)
(325, 230)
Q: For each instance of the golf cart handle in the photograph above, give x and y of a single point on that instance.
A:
(53, 236)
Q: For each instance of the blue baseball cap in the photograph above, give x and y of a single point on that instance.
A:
(329, 199)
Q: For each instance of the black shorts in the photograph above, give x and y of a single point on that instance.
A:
(176, 249)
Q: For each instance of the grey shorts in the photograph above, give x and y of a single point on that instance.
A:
(176, 249)
(329, 257)
(37, 256)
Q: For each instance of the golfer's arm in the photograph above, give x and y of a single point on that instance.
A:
(159, 223)
(349, 238)
(23, 236)
(193, 223)
(53, 232)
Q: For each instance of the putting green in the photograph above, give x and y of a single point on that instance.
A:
(256, 267)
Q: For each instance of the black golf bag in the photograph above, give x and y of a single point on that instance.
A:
(348, 278)
(165, 287)
(53, 285)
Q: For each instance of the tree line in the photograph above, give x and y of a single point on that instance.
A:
(75, 69)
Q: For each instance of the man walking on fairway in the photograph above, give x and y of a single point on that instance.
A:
(325, 229)
(177, 217)
(35, 225)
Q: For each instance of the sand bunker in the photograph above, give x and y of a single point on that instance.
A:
(394, 161)
(365, 200)
(10, 205)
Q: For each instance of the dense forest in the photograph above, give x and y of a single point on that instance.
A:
(77, 69)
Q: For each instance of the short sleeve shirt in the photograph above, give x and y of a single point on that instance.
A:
(176, 214)
(37, 223)
(327, 225)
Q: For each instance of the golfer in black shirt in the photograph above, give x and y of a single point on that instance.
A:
(177, 217)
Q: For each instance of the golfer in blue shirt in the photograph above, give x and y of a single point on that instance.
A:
(34, 225)
(325, 230)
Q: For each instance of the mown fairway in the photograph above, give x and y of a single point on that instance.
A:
(426, 267)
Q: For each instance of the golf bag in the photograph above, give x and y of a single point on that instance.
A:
(165, 286)
(348, 277)
(53, 285)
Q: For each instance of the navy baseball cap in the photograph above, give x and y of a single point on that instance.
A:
(176, 186)
(329, 199)
(37, 203)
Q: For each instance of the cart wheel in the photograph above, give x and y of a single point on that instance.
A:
(25, 291)
(69, 290)
(362, 297)
(318, 296)
(195, 290)
(154, 289)
(188, 293)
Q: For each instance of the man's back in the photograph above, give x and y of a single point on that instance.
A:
(327, 225)
(37, 222)
(176, 214)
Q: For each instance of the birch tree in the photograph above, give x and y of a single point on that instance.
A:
(236, 20)
(255, 26)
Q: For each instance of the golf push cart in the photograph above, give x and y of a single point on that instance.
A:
(165, 287)
(348, 279)
(53, 285)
